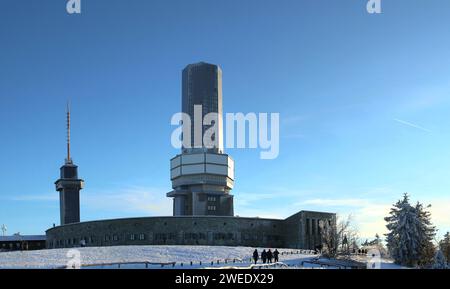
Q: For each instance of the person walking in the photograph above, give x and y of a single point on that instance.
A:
(255, 256)
(275, 255)
(264, 256)
(269, 256)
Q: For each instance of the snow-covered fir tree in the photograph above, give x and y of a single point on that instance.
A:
(426, 233)
(444, 246)
(410, 233)
(439, 261)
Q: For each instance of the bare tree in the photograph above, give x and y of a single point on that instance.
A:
(338, 237)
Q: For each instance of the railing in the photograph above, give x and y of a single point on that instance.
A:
(253, 266)
(121, 264)
(335, 263)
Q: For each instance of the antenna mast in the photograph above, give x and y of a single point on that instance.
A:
(68, 160)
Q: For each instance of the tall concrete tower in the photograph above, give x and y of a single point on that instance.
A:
(202, 87)
(202, 176)
(69, 186)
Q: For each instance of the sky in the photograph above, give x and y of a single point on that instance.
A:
(364, 102)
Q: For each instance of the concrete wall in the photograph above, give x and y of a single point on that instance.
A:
(302, 229)
(186, 230)
(190, 230)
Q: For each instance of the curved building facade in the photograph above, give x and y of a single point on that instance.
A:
(298, 231)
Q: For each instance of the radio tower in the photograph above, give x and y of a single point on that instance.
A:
(69, 185)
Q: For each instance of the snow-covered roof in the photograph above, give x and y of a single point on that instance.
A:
(16, 238)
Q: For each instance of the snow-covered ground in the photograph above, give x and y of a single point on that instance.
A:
(135, 255)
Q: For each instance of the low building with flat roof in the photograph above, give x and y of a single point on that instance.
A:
(19, 242)
(296, 231)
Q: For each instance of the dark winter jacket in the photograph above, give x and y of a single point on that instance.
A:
(255, 255)
(276, 253)
(264, 255)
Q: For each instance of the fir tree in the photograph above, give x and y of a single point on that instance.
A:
(377, 239)
(426, 234)
(439, 261)
(410, 234)
(444, 246)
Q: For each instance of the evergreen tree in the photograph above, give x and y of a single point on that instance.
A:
(444, 246)
(426, 234)
(410, 233)
(377, 239)
(439, 261)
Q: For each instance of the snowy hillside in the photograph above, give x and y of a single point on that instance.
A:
(181, 255)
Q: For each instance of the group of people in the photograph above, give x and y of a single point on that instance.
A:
(266, 256)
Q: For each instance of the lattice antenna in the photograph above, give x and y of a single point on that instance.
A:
(69, 159)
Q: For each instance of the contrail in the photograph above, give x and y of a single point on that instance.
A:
(412, 125)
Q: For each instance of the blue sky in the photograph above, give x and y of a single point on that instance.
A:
(364, 103)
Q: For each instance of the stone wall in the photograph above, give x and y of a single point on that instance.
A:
(188, 230)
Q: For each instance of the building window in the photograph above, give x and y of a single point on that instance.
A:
(132, 237)
(141, 237)
(212, 199)
(313, 227)
(211, 208)
(106, 237)
(308, 222)
(115, 238)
